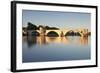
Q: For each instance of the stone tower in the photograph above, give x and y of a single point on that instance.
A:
(42, 30)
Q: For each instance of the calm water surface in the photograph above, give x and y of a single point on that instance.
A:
(43, 48)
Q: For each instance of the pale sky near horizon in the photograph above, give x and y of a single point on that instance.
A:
(61, 20)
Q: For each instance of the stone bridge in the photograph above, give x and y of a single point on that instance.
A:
(82, 32)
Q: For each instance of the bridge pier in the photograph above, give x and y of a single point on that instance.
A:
(84, 33)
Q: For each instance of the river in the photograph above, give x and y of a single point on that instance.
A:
(44, 49)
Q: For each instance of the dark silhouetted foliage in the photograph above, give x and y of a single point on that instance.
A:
(31, 26)
(51, 28)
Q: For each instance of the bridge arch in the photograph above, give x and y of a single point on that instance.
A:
(69, 33)
(73, 33)
(78, 33)
(52, 33)
(58, 32)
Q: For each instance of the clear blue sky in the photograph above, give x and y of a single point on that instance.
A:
(57, 19)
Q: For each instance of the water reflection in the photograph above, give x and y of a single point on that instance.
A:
(40, 40)
(83, 40)
(43, 48)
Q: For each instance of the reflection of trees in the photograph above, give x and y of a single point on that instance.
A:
(31, 40)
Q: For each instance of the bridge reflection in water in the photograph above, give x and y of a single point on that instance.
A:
(44, 48)
(40, 40)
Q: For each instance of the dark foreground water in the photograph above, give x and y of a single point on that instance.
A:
(43, 49)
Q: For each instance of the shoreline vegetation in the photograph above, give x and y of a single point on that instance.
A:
(32, 27)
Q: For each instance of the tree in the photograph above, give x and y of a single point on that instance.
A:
(47, 28)
(31, 26)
